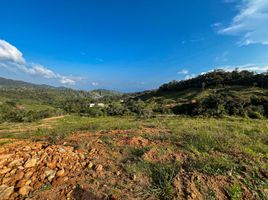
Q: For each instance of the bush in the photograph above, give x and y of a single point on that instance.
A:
(10, 113)
(95, 112)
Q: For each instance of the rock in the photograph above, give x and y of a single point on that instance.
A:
(118, 173)
(30, 163)
(50, 174)
(82, 156)
(5, 170)
(2, 188)
(90, 165)
(28, 174)
(133, 177)
(6, 192)
(3, 162)
(44, 155)
(83, 164)
(25, 190)
(28, 182)
(27, 148)
(99, 168)
(52, 165)
(21, 183)
(50, 178)
(5, 156)
(61, 150)
(6, 180)
(15, 162)
(92, 151)
(38, 185)
(60, 173)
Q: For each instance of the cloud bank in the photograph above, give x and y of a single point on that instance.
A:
(183, 71)
(250, 23)
(12, 59)
(248, 67)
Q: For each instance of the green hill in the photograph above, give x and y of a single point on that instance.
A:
(19, 99)
(9, 83)
(215, 93)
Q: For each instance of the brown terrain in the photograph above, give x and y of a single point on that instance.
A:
(93, 166)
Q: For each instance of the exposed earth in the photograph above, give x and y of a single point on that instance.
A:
(100, 166)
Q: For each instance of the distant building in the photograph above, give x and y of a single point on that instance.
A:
(91, 105)
(101, 104)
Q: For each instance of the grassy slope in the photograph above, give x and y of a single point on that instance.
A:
(234, 148)
(198, 94)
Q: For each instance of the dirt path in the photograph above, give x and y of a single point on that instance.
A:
(44, 123)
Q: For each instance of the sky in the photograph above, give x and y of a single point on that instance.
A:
(129, 45)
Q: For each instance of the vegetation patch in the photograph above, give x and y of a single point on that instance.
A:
(162, 176)
(235, 192)
(213, 164)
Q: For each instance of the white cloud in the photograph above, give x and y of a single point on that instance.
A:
(94, 83)
(183, 71)
(37, 69)
(12, 59)
(250, 23)
(248, 67)
(10, 53)
(189, 76)
(67, 81)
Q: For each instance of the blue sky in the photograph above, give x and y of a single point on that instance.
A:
(129, 45)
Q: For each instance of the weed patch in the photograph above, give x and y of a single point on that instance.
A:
(162, 176)
(213, 165)
(235, 192)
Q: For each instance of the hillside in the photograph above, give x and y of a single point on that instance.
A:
(10, 83)
(20, 90)
(22, 101)
(217, 79)
(214, 94)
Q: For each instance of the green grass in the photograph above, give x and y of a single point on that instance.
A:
(162, 175)
(213, 165)
(65, 126)
(235, 192)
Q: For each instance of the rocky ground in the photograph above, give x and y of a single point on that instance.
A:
(99, 166)
(26, 168)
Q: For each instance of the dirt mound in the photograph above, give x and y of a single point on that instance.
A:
(137, 141)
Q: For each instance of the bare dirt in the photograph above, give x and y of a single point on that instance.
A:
(91, 166)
